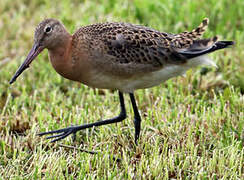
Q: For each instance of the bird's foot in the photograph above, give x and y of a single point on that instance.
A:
(61, 133)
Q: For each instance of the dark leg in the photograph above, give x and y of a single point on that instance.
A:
(137, 117)
(63, 133)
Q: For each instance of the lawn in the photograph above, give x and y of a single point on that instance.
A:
(192, 127)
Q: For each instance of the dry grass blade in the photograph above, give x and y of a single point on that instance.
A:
(86, 151)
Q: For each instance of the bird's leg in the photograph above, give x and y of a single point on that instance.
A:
(63, 133)
(137, 117)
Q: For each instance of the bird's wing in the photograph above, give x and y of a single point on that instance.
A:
(127, 43)
(134, 44)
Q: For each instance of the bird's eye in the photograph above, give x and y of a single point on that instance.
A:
(48, 29)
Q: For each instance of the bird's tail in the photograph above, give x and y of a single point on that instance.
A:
(188, 45)
(194, 55)
(204, 46)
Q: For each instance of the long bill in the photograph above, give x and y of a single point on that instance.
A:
(35, 50)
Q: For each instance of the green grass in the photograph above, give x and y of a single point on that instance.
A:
(192, 127)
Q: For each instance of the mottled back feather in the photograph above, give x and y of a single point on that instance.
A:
(127, 43)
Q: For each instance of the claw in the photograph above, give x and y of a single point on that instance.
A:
(62, 137)
(56, 131)
(54, 136)
(60, 133)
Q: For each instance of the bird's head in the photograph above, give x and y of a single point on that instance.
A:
(48, 34)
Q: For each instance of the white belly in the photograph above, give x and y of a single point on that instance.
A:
(146, 80)
(152, 79)
(137, 81)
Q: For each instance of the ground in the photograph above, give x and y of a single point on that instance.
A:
(192, 127)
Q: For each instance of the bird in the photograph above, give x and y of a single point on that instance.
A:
(119, 56)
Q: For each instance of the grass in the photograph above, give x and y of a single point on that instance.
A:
(192, 126)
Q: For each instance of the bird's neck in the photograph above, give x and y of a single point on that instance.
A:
(60, 56)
